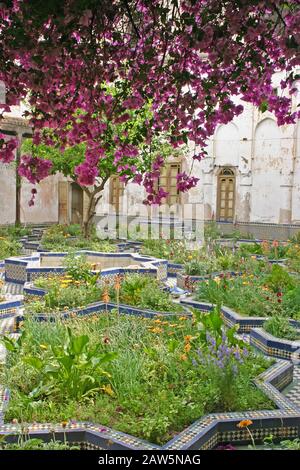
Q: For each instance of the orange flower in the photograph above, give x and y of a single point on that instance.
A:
(187, 347)
(105, 296)
(187, 338)
(118, 282)
(244, 423)
(183, 357)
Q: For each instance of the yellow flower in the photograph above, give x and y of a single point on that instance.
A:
(182, 318)
(157, 321)
(64, 424)
(244, 423)
(217, 280)
(190, 257)
(156, 330)
(43, 346)
(108, 390)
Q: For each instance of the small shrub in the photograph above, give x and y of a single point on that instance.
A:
(280, 327)
(279, 279)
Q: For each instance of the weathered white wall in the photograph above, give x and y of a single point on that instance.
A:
(7, 194)
(266, 161)
(45, 207)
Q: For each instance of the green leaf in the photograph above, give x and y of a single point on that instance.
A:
(9, 344)
(78, 344)
(34, 362)
(263, 107)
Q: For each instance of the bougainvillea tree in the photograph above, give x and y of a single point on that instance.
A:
(189, 58)
(138, 158)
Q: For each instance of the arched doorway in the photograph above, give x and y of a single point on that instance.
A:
(77, 204)
(226, 195)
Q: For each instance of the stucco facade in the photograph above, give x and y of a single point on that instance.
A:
(45, 209)
(265, 160)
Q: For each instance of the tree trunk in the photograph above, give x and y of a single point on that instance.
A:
(88, 215)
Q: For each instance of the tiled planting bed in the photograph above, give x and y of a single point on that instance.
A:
(10, 307)
(265, 342)
(231, 318)
(185, 281)
(26, 269)
(276, 347)
(97, 307)
(206, 433)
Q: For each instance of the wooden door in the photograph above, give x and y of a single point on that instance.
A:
(226, 195)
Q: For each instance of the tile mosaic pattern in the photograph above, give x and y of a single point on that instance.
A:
(104, 437)
(293, 391)
(26, 269)
(13, 288)
(275, 347)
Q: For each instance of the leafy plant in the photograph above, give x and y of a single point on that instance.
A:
(73, 368)
(211, 325)
(9, 248)
(153, 390)
(291, 303)
(37, 444)
(279, 279)
(79, 269)
(281, 328)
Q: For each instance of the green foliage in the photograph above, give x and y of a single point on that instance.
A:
(279, 279)
(196, 268)
(173, 250)
(9, 247)
(60, 297)
(245, 295)
(60, 238)
(280, 327)
(145, 292)
(73, 368)
(14, 232)
(211, 325)
(211, 231)
(291, 303)
(78, 269)
(154, 392)
(246, 249)
(36, 444)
